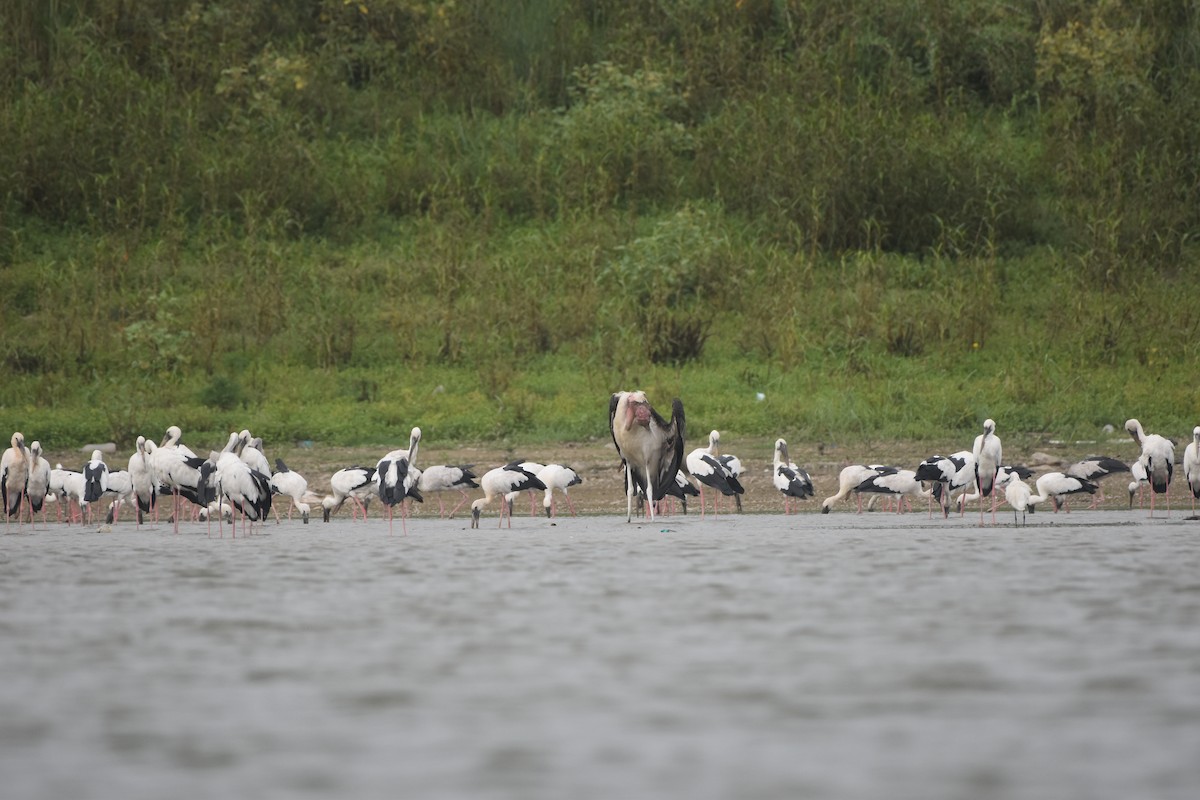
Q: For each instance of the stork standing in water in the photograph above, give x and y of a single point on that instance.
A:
(175, 465)
(14, 474)
(706, 466)
(246, 489)
(95, 476)
(650, 447)
(988, 457)
(500, 482)
(1157, 458)
(396, 480)
(1191, 465)
(1019, 496)
(38, 484)
(144, 484)
(793, 482)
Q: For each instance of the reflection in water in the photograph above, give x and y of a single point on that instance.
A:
(842, 656)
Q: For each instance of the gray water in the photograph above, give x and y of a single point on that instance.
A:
(839, 656)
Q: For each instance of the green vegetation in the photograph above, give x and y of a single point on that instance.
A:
(332, 220)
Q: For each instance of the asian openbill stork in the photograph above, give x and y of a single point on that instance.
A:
(1158, 459)
(500, 482)
(396, 480)
(791, 481)
(1191, 465)
(989, 455)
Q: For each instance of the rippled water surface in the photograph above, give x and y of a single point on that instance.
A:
(837, 656)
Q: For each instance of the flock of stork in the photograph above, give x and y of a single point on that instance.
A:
(651, 450)
(237, 482)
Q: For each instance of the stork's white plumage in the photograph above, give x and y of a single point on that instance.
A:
(396, 480)
(650, 447)
(950, 475)
(356, 484)
(1158, 459)
(1019, 496)
(499, 482)
(68, 485)
(560, 477)
(14, 475)
(1191, 465)
(900, 483)
(178, 468)
(1137, 471)
(532, 467)
(246, 489)
(252, 453)
(95, 475)
(989, 455)
(1057, 486)
(145, 487)
(442, 478)
(293, 485)
(848, 480)
(38, 483)
(120, 489)
(705, 465)
(791, 481)
(1095, 469)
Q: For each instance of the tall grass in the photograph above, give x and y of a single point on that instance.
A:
(881, 215)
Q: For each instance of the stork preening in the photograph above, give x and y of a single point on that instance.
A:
(560, 477)
(791, 481)
(444, 478)
(948, 474)
(245, 488)
(396, 481)
(705, 465)
(500, 482)
(1158, 459)
(175, 465)
(988, 455)
(145, 486)
(356, 484)
(650, 447)
(1191, 466)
